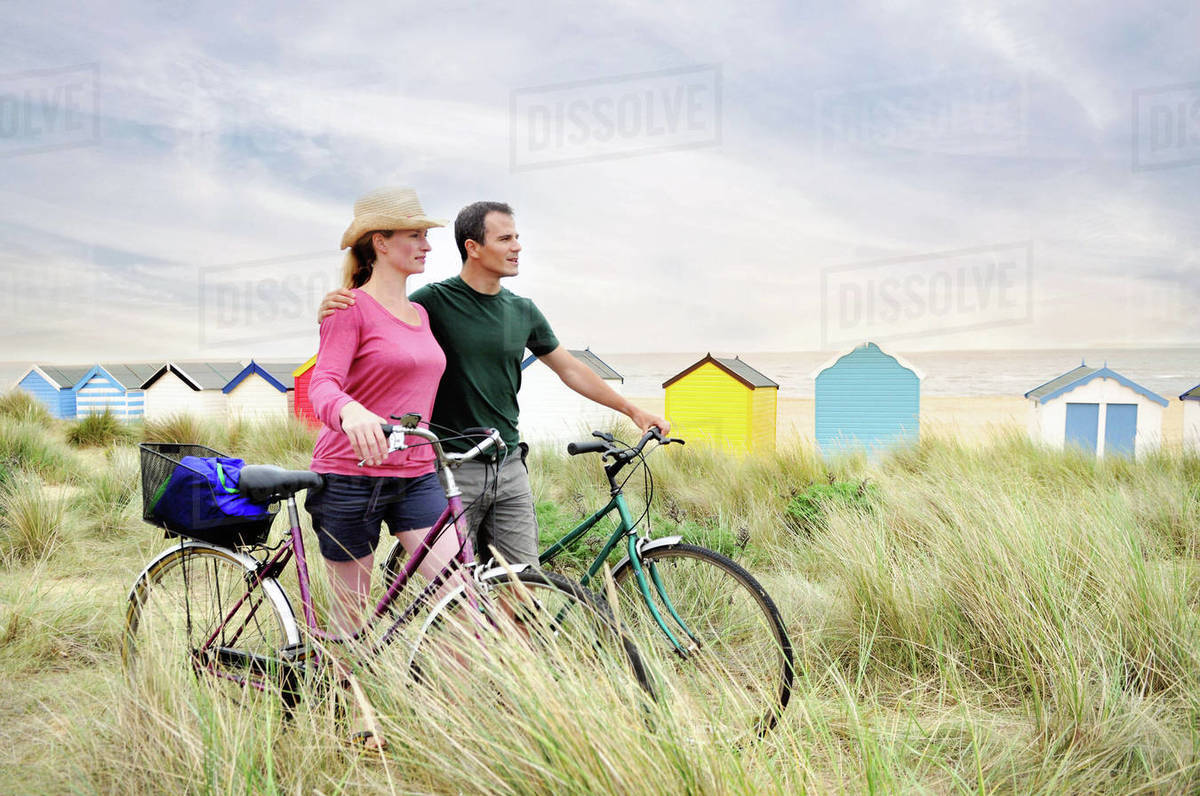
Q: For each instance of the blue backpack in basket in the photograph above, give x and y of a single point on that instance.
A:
(202, 493)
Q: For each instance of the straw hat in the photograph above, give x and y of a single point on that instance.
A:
(387, 208)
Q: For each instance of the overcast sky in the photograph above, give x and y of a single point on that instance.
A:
(687, 176)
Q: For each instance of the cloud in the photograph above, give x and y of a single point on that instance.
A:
(234, 135)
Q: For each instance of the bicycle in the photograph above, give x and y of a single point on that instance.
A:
(711, 616)
(217, 611)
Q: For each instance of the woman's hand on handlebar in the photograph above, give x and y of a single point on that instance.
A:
(365, 430)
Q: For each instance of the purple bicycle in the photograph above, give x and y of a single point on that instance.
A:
(214, 608)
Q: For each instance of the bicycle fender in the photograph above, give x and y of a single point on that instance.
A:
(270, 586)
(644, 545)
(513, 568)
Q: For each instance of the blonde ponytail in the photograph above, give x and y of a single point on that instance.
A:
(359, 261)
(349, 269)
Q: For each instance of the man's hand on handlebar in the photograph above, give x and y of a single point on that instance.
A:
(645, 420)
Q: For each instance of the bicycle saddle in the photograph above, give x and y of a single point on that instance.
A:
(266, 483)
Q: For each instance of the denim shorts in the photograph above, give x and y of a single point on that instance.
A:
(348, 512)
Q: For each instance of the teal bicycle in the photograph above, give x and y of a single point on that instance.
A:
(711, 621)
(714, 622)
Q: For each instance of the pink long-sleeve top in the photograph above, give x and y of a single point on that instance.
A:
(369, 355)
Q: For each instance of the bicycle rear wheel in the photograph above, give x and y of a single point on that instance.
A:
(529, 611)
(735, 657)
(192, 614)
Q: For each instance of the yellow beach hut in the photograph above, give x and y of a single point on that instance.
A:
(724, 402)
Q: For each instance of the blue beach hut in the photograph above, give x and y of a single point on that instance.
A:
(866, 398)
(1097, 411)
(55, 387)
(116, 388)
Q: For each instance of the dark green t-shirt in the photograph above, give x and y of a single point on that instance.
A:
(484, 338)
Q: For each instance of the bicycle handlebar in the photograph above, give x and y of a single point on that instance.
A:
(398, 431)
(608, 446)
(576, 448)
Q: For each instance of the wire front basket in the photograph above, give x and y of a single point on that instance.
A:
(159, 461)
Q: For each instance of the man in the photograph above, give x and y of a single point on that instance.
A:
(484, 329)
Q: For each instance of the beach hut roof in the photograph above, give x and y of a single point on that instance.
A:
(733, 366)
(585, 355)
(901, 361)
(61, 377)
(1192, 394)
(199, 375)
(278, 375)
(131, 375)
(1081, 375)
(303, 366)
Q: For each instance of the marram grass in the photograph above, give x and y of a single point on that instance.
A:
(1005, 619)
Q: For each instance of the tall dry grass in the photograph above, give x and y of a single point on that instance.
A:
(1004, 619)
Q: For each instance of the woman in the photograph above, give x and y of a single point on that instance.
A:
(376, 359)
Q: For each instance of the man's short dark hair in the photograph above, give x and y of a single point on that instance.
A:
(469, 224)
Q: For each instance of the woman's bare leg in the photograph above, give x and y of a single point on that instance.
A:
(351, 584)
(445, 548)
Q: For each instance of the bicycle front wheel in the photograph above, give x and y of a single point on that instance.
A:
(510, 614)
(730, 651)
(193, 614)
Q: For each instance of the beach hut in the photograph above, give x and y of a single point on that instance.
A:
(866, 398)
(115, 388)
(725, 402)
(54, 386)
(193, 388)
(1191, 419)
(301, 404)
(260, 390)
(553, 412)
(1096, 410)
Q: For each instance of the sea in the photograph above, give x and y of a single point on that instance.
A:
(1166, 371)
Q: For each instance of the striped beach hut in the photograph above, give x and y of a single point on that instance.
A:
(1098, 411)
(866, 399)
(55, 387)
(723, 401)
(553, 412)
(194, 388)
(260, 390)
(1191, 419)
(115, 388)
(301, 403)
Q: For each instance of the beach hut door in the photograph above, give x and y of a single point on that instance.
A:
(1120, 428)
(1083, 422)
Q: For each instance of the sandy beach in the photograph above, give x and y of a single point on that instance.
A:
(972, 418)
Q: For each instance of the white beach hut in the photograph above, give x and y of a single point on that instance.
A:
(1096, 410)
(551, 412)
(260, 390)
(193, 388)
(1191, 419)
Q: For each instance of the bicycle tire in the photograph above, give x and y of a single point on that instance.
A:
(570, 624)
(737, 634)
(178, 602)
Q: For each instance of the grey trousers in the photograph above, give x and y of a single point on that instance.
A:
(499, 511)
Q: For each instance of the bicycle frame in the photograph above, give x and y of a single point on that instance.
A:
(633, 549)
(293, 545)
